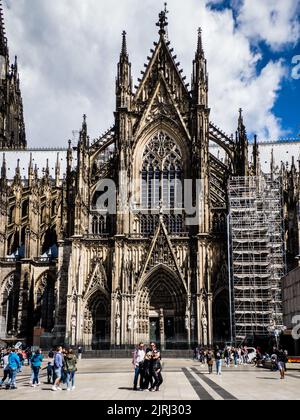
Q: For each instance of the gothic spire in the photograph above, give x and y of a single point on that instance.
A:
(124, 45)
(3, 174)
(30, 170)
(256, 164)
(3, 168)
(241, 153)
(200, 50)
(57, 170)
(200, 75)
(12, 126)
(124, 79)
(163, 21)
(3, 39)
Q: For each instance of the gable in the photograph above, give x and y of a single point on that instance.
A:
(163, 65)
(161, 253)
(162, 106)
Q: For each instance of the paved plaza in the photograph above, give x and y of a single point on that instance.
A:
(184, 380)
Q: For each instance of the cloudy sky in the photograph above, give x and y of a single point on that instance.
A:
(68, 52)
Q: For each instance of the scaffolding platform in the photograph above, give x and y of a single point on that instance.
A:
(257, 254)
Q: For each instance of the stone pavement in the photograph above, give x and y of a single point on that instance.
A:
(184, 380)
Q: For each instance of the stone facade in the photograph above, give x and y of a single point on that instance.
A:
(75, 273)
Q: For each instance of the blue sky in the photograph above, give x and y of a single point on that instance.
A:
(68, 52)
(287, 104)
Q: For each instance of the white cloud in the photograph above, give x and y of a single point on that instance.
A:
(68, 52)
(274, 21)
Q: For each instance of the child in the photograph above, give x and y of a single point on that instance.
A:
(49, 369)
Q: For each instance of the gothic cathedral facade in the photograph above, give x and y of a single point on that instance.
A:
(75, 273)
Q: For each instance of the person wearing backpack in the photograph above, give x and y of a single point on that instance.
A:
(70, 368)
(36, 364)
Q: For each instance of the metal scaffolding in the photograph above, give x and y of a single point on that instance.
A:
(257, 255)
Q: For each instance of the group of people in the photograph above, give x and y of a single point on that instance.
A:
(232, 355)
(240, 356)
(61, 367)
(147, 368)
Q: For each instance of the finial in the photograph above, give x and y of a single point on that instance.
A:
(241, 119)
(84, 125)
(124, 44)
(200, 50)
(163, 20)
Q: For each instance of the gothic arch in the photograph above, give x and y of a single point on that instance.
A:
(161, 303)
(96, 320)
(141, 142)
(45, 297)
(171, 274)
(9, 299)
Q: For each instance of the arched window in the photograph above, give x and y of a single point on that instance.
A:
(25, 208)
(161, 174)
(11, 215)
(45, 303)
(99, 225)
(43, 215)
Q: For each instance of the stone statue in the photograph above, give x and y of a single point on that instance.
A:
(130, 323)
(118, 322)
(187, 322)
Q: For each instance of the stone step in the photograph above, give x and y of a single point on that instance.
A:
(125, 354)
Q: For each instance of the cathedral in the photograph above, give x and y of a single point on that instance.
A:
(105, 244)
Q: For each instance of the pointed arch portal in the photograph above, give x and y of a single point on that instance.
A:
(161, 310)
(97, 322)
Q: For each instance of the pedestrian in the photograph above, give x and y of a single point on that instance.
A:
(70, 368)
(286, 360)
(49, 369)
(218, 358)
(235, 355)
(156, 371)
(210, 361)
(58, 367)
(148, 371)
(21, 357)
(227, 357)
(80, 351)
(156, 352)
(5, 364)
(281, 361)
(138, 361)
(13, 366)
(36, 364)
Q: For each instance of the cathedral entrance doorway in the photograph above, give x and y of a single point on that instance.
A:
(162, 307)
(96, 323)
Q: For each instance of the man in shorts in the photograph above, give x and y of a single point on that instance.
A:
(58, 366)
